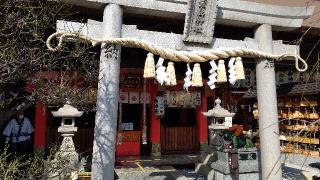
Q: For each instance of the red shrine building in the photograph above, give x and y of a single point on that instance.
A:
(142, 129)
(174, 123)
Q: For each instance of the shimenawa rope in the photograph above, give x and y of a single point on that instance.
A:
(180, 56)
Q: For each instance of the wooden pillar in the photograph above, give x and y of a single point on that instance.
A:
(202, 123)
(154, 122)
(40, 128)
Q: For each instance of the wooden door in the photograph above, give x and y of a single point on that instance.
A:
(179, 131)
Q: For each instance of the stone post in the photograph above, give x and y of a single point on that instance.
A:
(103, 157)
(267, 105)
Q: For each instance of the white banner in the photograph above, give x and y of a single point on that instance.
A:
(142, 98)
(134, 98)
(124, 97)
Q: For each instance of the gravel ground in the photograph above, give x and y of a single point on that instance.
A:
(294, 172)
(153, 173)
(289, 172)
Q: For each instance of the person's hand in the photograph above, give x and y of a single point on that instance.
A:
(7, 140)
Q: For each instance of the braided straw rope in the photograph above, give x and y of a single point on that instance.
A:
(178, 56)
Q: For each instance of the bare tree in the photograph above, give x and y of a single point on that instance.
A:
(24, 28)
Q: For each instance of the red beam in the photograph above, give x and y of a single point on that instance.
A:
(155, 121)
(202, 120)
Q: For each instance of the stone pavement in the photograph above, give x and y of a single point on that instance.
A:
(293, 172)
(157, 173)
(179, 167)
(300, 167)
(169, 172)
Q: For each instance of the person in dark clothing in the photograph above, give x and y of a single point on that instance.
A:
(18, 133)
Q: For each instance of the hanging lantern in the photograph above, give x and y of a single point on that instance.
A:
(149, 67)
(239, 68)
(159, 106)
(222, 75)
(171, 74)
(161, 75)
(197, 76)
(232, 71)
(213, 75)
(248, 81)
(187, 79)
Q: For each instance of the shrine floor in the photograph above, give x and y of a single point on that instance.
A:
(169, 167)
(157, 168)
(157, 173)
(163, 160)
(181, 167)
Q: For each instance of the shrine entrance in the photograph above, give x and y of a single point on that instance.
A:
(179, 133)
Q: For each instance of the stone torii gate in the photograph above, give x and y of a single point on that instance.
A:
(200, 18)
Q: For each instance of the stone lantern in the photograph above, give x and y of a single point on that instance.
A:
(67, 129)
(219, 119)
(220, 163)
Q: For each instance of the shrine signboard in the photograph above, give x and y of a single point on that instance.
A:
(130, 81)
(199, 21)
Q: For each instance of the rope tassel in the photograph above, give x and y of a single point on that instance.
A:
(149, 67)
(232, 71)
(222, 75)
(187, 79)
(213, 75)
(197, 76)
(239, 69)
(161, 75)
(171, 74)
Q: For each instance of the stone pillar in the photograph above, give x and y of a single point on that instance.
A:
(267, 105)
(103, 157)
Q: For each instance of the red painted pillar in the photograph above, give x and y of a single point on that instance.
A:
(154, 122)
(202, 123)
(40, 127)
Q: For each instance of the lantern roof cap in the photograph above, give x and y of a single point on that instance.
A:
(67, 111)
(218, 111)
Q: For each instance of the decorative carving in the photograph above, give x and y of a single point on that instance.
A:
(175, 1)
(200, 20)
(182, 99)
(269, 63)
(110, 51)
(67, 144)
